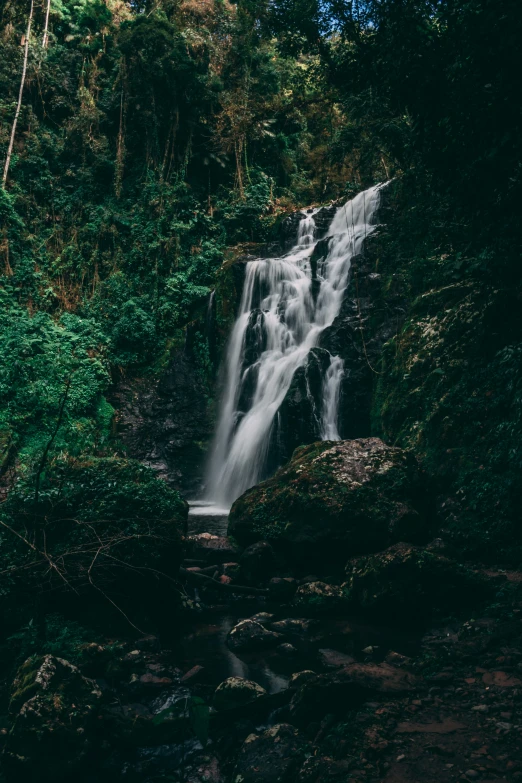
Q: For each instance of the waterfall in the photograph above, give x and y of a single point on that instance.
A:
(331, 393)
(279, 322)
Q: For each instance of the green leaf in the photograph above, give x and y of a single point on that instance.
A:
(199, 713)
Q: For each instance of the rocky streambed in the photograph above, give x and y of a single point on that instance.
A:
(390, 661)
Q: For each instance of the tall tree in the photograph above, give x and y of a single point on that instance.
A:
(45, 38)
(20, 94)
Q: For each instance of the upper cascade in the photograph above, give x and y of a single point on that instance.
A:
(281, 318)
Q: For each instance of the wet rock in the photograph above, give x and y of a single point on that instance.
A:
(193, 674)
(317, 598)
(214, 550)
(235, 692)
(397, 659)
(299, 678)
(333, 659)
(55, 709)
(265, 618)
(288, 229)
(405, 580)
(154, 681)
(271, 757)
(347, 688)
(298, 421)
(333, 500)
(295, 626)
(282, 588)
(257, 562)
(249, 635)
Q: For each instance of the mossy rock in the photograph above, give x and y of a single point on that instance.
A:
(55, 711)
(407, 581)
(334, 500)
(235, 692)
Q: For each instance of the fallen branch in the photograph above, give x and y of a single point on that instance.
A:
(198, 578)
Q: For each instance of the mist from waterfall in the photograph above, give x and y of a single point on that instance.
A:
(279, 322)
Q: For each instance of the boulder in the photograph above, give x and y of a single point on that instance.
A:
(334, 500)
(406, 580)
(214, 550)
(235, 692)
(248, 635)
(257, 562)
(55, 711)
(318, 598)
(273, 756)
(347, 688)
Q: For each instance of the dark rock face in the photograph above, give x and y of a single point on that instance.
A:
(166, 423)
(368, 318)
(271, 757)
(289, 226)
(333, 500)
(406, 581)
(298, 420)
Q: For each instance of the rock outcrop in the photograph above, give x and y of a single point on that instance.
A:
(334, 500)
(405, 581)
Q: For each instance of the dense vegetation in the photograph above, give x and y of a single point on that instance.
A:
(154, 135)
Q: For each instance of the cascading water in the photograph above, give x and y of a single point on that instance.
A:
(279, 322)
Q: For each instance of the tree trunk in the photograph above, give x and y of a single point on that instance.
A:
(19, 106)
(46, 28)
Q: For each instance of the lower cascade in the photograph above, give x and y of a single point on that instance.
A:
(285, 306)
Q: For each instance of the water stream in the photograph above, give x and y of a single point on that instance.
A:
(281, 318)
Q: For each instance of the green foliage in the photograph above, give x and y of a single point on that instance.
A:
(102, 525)
(61, 637)
(39, 357)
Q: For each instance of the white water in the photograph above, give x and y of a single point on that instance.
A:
(280, 322)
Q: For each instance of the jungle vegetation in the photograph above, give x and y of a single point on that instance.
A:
(139, 140)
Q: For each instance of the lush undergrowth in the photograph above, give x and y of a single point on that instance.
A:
(449, 384)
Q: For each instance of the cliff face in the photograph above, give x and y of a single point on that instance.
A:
(167, 423)
(431, 347)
